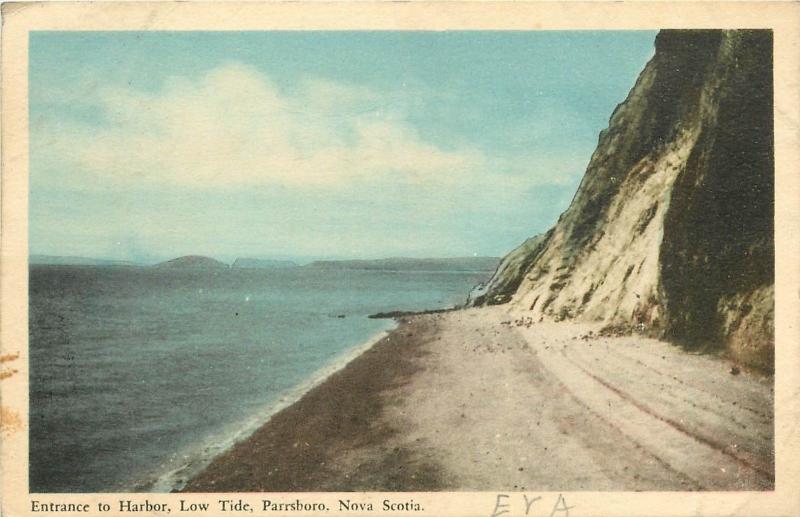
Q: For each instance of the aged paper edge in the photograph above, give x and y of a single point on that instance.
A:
(19, 18)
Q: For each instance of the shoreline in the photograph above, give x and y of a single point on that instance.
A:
(200, 457)
(298, 448)
(474, 400)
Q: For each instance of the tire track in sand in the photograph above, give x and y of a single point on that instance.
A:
(702, 460)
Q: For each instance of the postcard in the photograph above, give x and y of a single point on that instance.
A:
(473, 259)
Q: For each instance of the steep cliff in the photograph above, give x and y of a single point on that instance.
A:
(671, 229)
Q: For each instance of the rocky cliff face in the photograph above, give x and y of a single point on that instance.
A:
(671, 229)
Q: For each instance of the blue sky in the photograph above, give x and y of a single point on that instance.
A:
(149, 145)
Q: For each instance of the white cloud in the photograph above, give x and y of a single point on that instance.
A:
(141, 163)
(235, 128)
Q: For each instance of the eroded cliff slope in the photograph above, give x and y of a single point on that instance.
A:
(671, 229)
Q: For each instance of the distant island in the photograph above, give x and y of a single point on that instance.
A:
(256, 263)
(192, 262)
(58, 260)
(477, 264)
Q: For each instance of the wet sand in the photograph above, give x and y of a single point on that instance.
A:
(483, 400)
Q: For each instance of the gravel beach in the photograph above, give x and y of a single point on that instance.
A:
(481, 399)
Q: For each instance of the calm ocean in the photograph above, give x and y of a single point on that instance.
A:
(139, 372)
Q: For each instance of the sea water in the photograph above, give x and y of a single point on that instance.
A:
(139, 376)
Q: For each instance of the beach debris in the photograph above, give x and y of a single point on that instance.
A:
(525, 321)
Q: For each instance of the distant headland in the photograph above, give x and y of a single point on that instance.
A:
(192, 262)
(412, 264)
(465, 264)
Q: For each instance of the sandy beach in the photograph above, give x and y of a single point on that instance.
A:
(481, 399)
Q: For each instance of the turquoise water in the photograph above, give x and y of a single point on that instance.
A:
(136, 372)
